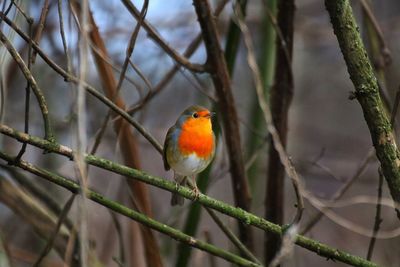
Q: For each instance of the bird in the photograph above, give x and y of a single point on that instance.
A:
(189, 147)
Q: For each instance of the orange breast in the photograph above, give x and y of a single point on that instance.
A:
(197, 137)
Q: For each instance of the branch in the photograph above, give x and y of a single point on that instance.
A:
(281, 95)
(88, 87)
(378, 219)
(238, 213)
(226, 105)
(28, 76)
(366, 92)
(152, 33)
(192, 47)
(134, 215)
(35, 214)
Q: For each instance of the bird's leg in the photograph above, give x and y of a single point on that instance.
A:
(177, 180)
(196, 190)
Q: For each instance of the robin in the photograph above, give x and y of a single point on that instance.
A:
(189, 147)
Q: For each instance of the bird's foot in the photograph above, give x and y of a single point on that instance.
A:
(196, 193)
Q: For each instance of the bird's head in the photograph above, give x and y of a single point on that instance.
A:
(196, 117)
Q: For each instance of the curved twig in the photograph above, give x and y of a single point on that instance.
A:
(36, 90)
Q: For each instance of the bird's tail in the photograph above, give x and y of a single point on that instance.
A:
(177, 199)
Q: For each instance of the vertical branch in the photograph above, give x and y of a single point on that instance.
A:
(40, 27)
(281, 97)
(27, 95)
(267, 70)
(193, 217)
(377, 50)
(219, 72)
(81, 137)
(366, 92)
(31, 61)
(233, 39)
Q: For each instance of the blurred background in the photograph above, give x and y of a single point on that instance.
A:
(328, 139)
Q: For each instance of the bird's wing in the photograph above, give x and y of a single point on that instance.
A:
(168, 139)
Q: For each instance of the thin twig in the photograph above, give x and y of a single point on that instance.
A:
(395, 108)
(142, 76)
(359, 171)
(28, 18)
(27, 94)
(385, 51)
(128, 54)
(62, 33)
(285, 160)
(199, 87)
(192, 47)
(37, 191)
(40, 27)
(152, 33)
(89, 88)
(229, 234)
(61, 218)
(378, 219)
(36, 90)
(5, 10)
(281, 39)
(232, 237)
(339, 193)
(132, 42)
(118, 228)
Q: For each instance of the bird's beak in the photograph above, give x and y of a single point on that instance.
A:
(211, 114)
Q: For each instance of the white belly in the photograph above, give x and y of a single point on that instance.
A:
(189, 165)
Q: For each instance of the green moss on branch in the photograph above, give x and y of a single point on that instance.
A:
(239, 214)
(139, 217)
(366, 91)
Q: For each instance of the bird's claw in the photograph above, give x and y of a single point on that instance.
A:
(196, 193)
(177, 186)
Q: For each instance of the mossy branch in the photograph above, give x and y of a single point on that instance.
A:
(121, 209)
(366, 91)
(241, 215)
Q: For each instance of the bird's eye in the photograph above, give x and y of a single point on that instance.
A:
(195, 115)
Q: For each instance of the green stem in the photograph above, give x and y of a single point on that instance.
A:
(267, 70)
(134, 215)
(366, 92)
(238, 213)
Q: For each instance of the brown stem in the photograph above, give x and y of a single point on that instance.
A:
(281, 97)
(226, 104)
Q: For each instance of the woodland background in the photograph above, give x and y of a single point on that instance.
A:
(328, 140)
